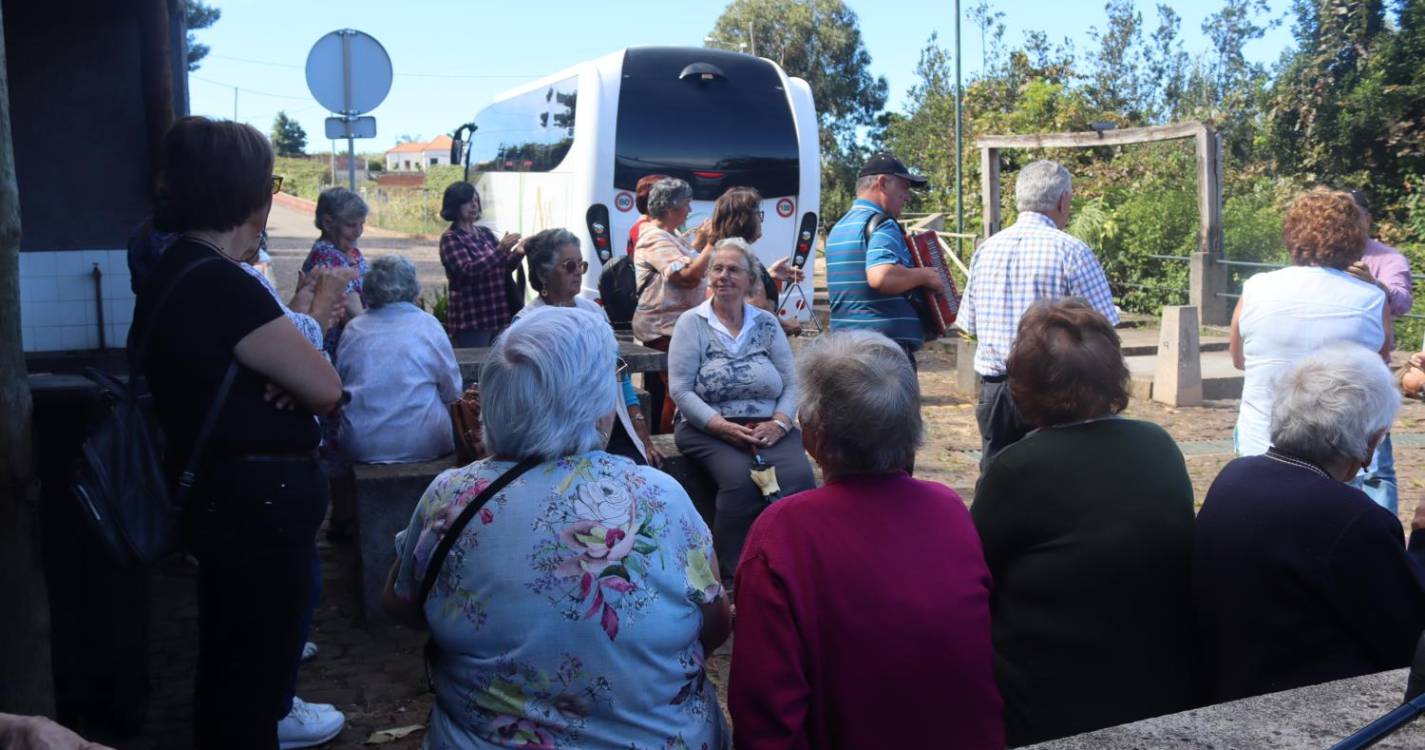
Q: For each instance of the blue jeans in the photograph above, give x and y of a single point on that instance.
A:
(1378, 479)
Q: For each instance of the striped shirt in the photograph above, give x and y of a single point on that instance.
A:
(1028, 261)
(854, 304)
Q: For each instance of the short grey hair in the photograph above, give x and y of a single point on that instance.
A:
(1330, 404)
(754, 267)
(341, 204)
(860, 396)
(547, 382)
(667, 194)
(391, 278)
(1040, 186)
(864, 184)
(541, 250)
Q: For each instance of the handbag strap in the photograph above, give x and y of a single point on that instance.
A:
(137, 356)
(446, 542)
(210, 420)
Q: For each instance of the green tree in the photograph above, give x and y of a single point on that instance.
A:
(197, 15)
(820, 42)
(1116, 83)
(288, 137)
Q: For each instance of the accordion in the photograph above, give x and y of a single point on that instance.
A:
(937, 309)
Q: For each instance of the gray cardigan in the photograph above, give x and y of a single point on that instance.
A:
(705, 379)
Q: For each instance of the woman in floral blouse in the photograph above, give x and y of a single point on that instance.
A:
(578, 605)
(477, 266)
(341, 215)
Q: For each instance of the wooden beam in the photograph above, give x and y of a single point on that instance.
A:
(1116, 137)
(989, 190)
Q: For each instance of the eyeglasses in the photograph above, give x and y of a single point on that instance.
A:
(761, 215)
(276, 184)
(719, 269)
(620, 368)
(572, 266)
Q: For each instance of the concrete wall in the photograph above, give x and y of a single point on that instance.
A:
(82, 159)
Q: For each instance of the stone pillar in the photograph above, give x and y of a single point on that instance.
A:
(1178, 378)
(967, 381)
(1207, 282)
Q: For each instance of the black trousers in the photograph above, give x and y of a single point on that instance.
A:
(252, 525)
(1000, 422)
(739, 500)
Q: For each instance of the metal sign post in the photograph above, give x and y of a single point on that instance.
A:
(349, 73)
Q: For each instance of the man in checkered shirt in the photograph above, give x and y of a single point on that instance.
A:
(1031, 260)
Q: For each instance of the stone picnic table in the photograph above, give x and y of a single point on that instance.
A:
(639, 358)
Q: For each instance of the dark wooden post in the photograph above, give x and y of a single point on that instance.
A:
(26, 686)
(1208, 277)
(989, 189)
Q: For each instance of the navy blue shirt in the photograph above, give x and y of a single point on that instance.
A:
(1300, 579)
(854, 304)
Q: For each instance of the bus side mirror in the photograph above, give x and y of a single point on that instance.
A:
(457, 147)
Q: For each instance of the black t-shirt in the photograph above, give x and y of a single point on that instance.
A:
(191, 345)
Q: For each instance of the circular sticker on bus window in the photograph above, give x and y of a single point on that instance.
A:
(624, 202)
(784, 207)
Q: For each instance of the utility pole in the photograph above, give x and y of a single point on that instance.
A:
(959, 156)
(752, 36)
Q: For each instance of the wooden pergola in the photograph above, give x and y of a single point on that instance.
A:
(1208, 276)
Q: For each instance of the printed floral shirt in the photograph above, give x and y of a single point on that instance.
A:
(324, 254)
(567, 614)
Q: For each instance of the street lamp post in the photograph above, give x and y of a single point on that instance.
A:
(959, 157)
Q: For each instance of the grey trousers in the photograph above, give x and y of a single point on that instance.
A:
(739, 501)
(1000, 422)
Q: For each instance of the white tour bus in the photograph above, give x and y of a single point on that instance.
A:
(568, 150)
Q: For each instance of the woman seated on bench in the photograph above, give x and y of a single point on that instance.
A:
(731, 374)
(577, 605)
(398, 366)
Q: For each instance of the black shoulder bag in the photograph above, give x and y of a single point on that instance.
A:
(446, 542)
(120, 480)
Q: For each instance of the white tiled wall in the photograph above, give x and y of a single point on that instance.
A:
(57, 311)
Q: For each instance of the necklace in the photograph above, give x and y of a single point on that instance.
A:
(208, 244)
(1299, 463)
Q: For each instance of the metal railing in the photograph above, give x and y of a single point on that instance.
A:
(1414, 278)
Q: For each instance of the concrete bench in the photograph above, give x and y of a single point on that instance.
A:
(386, 495)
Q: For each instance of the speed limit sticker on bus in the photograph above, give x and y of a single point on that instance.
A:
(624, 202)
(784, 207)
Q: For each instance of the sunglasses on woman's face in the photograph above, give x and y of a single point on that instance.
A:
(572, 266)
(276, 184)
(620, 367)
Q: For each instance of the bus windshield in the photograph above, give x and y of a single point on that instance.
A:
(728, 131)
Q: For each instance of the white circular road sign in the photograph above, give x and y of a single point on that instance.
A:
(349, 72)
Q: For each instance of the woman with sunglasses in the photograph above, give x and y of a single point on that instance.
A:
(738, 213)
(555, 270)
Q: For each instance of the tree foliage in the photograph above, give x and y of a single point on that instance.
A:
(196, 16)
(288, 137)
(820, 42)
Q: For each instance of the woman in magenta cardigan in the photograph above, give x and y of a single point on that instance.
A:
(863, 606)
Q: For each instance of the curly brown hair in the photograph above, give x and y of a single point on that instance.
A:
(1324, 228)
(1066, 365)
(737, 213)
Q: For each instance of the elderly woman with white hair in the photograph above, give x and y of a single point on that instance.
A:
(1298, 577)
(398, 366)
(341, 217)
(730, 371)
(822, 569)
(577, 601)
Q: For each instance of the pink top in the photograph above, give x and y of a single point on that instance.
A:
(863, 620)
(1393, 270)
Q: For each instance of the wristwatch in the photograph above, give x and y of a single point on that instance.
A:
(786, 428)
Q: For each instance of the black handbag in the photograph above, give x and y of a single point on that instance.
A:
(120, 481)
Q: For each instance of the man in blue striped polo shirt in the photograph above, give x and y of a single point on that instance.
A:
(869, 270)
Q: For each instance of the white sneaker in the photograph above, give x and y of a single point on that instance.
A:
(309, 650)
(308, 725)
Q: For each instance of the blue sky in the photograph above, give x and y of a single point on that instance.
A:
(451, 58)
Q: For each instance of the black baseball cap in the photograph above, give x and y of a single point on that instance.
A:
(884, 163)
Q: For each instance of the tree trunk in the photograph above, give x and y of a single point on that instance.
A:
(26, 686)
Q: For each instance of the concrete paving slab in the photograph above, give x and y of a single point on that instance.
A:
(1317, 716)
